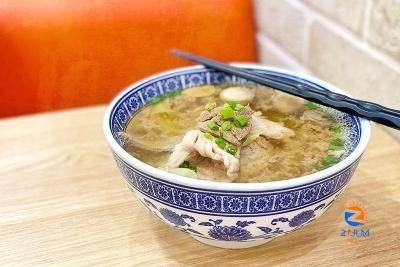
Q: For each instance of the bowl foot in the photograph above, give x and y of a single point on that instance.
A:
(231, 244)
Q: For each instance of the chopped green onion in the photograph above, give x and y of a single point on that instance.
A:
(311, 105)
(329, 161)
(168, 94)
(326, 116)
(177, 92)
(240, 121)
(164, 96)
(210, 106)
(323, 167)
(333, 147)
(220, 142)
(212, 125)
(227, 112)
(208, 136)
(186, 164)
(231, 150)
(232, 104)
(238, 107)
(337, 128)
(336, 144)
(193, 167)
(226, 125)
(171, 93)
(156, 100)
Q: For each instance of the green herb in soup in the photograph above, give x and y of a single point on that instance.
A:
(235, 133)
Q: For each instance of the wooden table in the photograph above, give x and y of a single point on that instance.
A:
(63, 202)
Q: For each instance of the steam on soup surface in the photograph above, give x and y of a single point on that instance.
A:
(300, 138)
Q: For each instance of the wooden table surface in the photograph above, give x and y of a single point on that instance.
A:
(63, 202)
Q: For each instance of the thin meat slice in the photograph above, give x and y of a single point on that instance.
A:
(271, 129)
(317, 116)
(194, 141)
(128, 139)
(286, 103)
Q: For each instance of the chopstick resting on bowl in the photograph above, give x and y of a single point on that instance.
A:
(368, 110)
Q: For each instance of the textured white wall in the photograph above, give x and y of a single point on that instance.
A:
(353, 44)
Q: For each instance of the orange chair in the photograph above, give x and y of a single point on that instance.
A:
(58, 54)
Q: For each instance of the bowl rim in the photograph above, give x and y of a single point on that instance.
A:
(226, 186)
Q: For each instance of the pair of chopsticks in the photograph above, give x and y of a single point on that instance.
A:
(368, 110)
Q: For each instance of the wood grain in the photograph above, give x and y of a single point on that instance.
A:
(63, 202)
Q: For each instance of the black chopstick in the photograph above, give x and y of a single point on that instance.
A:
(364, 109)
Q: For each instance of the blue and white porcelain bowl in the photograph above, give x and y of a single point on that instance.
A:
(228, 215)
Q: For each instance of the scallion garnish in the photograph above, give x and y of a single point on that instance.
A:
(227, 112)
(329, 161)
(156, 100)
(186, 164)
(164, 96)
(240, 121)
(220, 142)
(208, 136)
(232, 104)
(231, 150)
(311, 105)
(326, 116)
(212, 125)
(336, 144)
(226, 125)
(238, 107)
(210, 106)
(337, 128)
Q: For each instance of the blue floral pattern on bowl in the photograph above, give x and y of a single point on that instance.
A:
(228, 233)
(217, 230)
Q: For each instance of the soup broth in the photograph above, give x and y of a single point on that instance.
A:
(317, 142)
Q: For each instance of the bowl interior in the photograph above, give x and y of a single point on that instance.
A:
(136, 96)
(133, 99)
